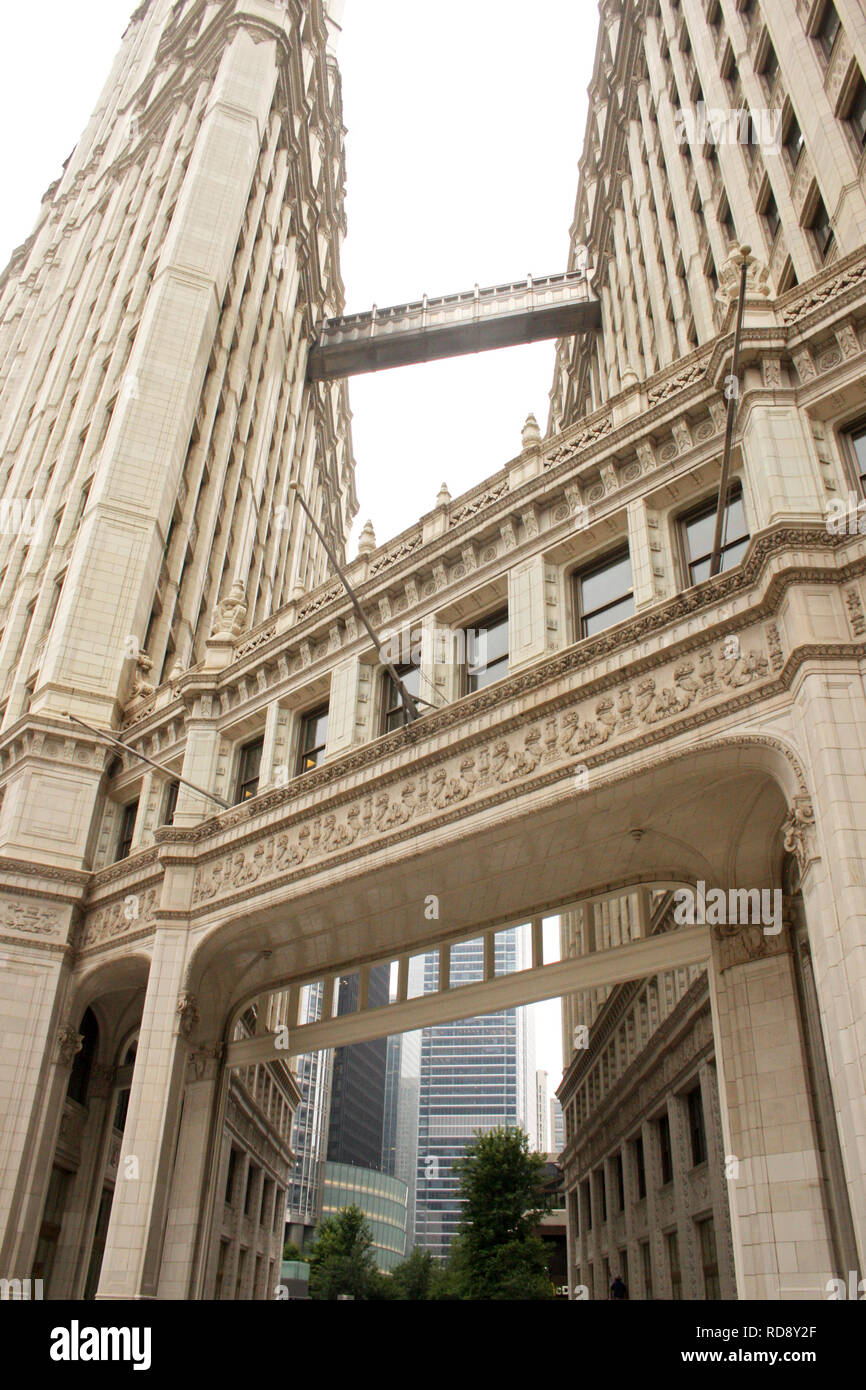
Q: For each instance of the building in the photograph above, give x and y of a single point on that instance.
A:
(355, 1129)
(541, 1137)
(475, 1076)
(641, 726)
(382, 1199)
(400, 1137)
(557, 1126)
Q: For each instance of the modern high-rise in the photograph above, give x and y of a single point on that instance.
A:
(476, 1074)
(357, 1115)
(541, 1136)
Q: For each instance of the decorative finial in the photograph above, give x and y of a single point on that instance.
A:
(531, 436)
(367, 539)
(443, 496)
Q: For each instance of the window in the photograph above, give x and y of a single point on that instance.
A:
(770, 214)
(487, 652)
(856, 438)
(726, 220)
(640, 1167)
(602, 1193)
(827, 30)
(82, 1062)
(604, 594)
(234, 1155)
(856, 112)
(672, 1247)
(249, 768)
(170, 804)
(410, 675)
(697, 529)
(646, 1268)
(697, 1129)
(314, 736)
(819, 226)
(620, 1182)
(792, 140)
(252, 1172)
(770, 65)
(664, 1133)
(587, 1205)
(709, 1258)
(127, 827)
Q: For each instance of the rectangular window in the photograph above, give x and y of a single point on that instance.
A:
(666, 1156)
(252, 1170)
(856, 112)
(828, 29)
(314, 736)
(587, 1205)
(793, 140)
(822, 231)
(249, 768)
(170, 804)
(640, 1167)
(620, 1182)
(672, 1246)
(279, 1209)
(604, 594)
(127, 829)
(697, 1129)
(646, 1264)
(393, 717)
(857, 444)
(770, 214)
(697, 528)
(602, 1194)
(709, 1258)
(234, 1155)
(487, 652)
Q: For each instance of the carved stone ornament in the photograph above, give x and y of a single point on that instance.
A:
(739, 944)
(798, 832)
(187, 1014)
(140, 685)
(69, 1042)
(25, 916)
(202, 1063)
(757, 278)
(230, 614)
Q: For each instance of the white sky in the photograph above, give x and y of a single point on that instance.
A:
(465, 121)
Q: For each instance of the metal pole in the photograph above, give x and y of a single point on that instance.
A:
(100, 733)
(410, 709)
(716, 556)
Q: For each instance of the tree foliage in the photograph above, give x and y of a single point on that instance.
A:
(341, 1259)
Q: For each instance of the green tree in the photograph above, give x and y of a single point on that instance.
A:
(341, 1258)
(412, 1280)
(291, 1251)
(497, 1255)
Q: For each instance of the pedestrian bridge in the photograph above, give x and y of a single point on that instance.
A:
(452, 325)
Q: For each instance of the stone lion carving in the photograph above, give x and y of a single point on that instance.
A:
(230, 614)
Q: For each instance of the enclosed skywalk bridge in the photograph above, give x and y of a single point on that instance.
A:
(452, 325)
(652, 947)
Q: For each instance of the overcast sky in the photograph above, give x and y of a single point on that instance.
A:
(465, 121)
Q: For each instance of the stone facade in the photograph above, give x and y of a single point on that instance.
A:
(713, 731)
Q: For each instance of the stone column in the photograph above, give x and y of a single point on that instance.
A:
(130, 1268)
(197, 1149)
(782, 1245)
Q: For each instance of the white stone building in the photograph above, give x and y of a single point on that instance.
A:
(639, 724)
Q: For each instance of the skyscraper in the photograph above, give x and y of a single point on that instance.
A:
(475, 1076)
(358, 1084)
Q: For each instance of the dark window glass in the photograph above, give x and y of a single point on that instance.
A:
(771, 65)
(697, 531)
(234, 1155)
(821, 229)
(249, 769)
(410, 675)
(828, 28)
(857, 437)
(771, 216)
(602, 1195)
(667, 1162)
(793, 139)
(314, 736)
(640, 1167)
(856, 116)
(170, 803)
(709, 1258)
(487, 652)
(697, 1130)
(620, 1182)
(127, 828)
(604, 594)
(673, 1249)
(251, 1184)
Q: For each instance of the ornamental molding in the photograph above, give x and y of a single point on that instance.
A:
(69, 1042)
(30, 918)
